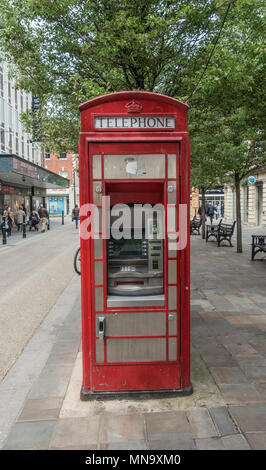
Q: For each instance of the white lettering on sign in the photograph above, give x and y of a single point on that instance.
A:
(134, 122)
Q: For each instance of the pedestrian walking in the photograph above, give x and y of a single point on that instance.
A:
(24, 209)
(75, 215)
(44, 216)
(6, 223)
(19, 218)
(210, 212)
(218, 211)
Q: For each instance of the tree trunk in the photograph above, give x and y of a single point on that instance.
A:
(203, 229)
(238, 215)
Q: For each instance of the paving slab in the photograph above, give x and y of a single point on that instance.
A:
(201, 423)
(228, 375)
(235, 442)
(256, 440)
(41, 409)
(234, 394)
(211, 443)
(167, 425)
(223, 421)
(76, 432)
(249, 418)
(30, 436)
(121, 428)
(187, 443)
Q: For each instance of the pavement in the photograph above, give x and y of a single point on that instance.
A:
(17, 237)
(40, 407)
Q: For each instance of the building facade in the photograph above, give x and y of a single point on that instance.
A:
(64, 164)
(252, 198)
(14, 139)
(22, 177)
(214, 197)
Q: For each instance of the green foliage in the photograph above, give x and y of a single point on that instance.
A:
(68, 51)
(227, 119)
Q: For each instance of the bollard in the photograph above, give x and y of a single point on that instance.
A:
(63, 222)
(4, 236)
(24, 227)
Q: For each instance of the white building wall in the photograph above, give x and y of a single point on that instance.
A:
(253, 206)
(13, 138)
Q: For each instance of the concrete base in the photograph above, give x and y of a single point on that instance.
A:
(86, 395)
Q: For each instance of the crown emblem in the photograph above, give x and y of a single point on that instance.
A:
(134, 107)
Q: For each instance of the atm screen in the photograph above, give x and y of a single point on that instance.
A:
(127, 248)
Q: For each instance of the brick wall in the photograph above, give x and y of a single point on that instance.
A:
(58, 165)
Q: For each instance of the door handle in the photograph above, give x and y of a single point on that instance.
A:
(101, 325)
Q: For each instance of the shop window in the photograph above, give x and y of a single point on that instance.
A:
(16, 98)
(2, 132)
(10, 141)
(62, 156)
(1, 81)
(9, 90)
(17, 147)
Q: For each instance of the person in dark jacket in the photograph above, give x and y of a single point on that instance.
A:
(6, 223)
(34, 220)
(75, 215)
(44, 216)
(210, 212)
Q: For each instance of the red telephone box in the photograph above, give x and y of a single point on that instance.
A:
(133, 156)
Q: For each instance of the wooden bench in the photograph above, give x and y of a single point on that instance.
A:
(212, 230)
(225, 232)
(258, 245)
(195, 225)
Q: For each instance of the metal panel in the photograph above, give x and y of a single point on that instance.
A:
(97, 220)
(98, 248)
(171, 218)
(96, 166)
(172, 298)
(171, 251)
(171, 160)
(97, 193)
(134, 324)
(98, 299)
(172, 278)
(172, 325)
(98, 272)
(138, 301)
(136, 349)
(99, 350)
(147, 166)
(172, 349)
(171, 192)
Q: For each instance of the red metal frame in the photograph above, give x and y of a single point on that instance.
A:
(156, 375)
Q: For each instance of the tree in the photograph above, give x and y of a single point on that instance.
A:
(206, 169)
(231, 95)
(68, 51)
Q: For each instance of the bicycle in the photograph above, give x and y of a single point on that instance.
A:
(77, 264)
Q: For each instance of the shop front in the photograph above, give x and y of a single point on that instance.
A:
(22, 182)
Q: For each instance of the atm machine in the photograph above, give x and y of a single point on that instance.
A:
(134, 175)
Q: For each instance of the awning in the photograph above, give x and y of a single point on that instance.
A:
(20, 172)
